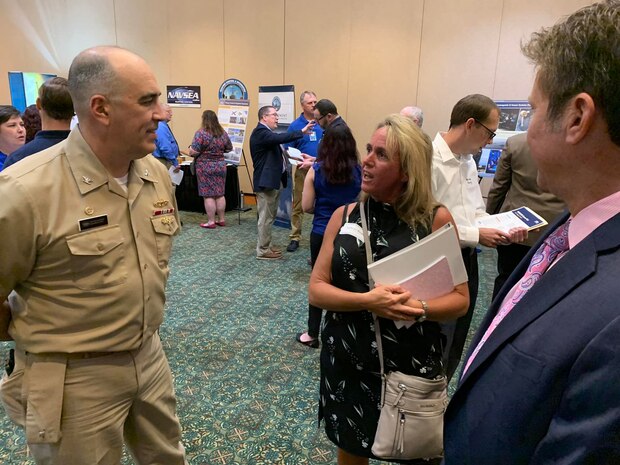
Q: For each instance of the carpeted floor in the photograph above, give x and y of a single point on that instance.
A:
(247, 392)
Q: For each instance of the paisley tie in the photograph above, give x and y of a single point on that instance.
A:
(554, 245)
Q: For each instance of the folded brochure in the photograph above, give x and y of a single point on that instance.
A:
(522, 217)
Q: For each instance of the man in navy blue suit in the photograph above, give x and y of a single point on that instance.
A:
(541, 383)
(269, 172)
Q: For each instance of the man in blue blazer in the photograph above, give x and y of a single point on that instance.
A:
(269, 172)
(541, 383)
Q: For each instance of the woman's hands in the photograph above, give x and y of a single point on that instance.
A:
(391, 301)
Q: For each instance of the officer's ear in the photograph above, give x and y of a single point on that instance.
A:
(100, 109)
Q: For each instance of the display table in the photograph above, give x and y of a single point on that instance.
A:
(187, 192)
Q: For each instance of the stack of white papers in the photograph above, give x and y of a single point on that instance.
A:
(294, 156)
(176, 177)
(429, 268)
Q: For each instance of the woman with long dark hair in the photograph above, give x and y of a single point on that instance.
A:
(209, 146)
(332, 181)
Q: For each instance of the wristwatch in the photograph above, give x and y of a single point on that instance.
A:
(424, 315)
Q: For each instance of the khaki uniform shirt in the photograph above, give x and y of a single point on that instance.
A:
(88, 261)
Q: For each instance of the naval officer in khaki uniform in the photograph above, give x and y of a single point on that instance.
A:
(86, 235)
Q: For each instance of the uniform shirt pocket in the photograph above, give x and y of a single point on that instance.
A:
(165, 227)
(98, 258)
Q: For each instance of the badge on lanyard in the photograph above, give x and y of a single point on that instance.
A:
(313, 136)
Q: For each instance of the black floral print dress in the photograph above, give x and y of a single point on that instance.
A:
(350, 391)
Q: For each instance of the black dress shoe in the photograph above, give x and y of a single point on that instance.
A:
(293, 246)
(314, 343)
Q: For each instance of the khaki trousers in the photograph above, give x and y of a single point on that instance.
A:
(267, 206)
(297, 213)
(78, 409)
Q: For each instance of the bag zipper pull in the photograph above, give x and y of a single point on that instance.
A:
(401, 433)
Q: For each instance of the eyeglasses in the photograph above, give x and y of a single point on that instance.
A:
(272, 114)
(491, 133)
(320, 118)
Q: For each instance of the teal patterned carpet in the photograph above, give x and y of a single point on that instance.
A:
(247, 392)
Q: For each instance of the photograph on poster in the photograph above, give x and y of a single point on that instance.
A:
(233, 157)
(236, 135)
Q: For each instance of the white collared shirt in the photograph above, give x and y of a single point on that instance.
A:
(455, 185)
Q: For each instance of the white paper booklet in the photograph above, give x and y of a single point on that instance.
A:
(294, 155)
(428, 269)
(522, 217)
(176, 177)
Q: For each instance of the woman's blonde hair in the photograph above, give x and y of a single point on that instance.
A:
(414, 149)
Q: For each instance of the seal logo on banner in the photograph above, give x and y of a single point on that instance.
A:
(233, 89)
(276, 103)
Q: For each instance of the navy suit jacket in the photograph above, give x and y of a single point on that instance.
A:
(545, 387)
(267, 156)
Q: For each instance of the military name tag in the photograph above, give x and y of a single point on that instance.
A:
(94, 222)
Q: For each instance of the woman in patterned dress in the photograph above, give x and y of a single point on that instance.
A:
(400, 210)
(209, 146)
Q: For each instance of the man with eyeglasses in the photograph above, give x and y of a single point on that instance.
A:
(269, 173)
(326, 114)
(473, 123)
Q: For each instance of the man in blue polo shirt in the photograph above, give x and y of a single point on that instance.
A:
(308, 146)
(166, 146)
(56, 110)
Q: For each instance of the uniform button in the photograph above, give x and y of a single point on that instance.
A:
(100, 247)
(145, 266)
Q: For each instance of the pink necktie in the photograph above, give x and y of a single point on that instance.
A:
(554, 245)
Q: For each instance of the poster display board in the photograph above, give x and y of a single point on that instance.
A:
(514, 118)
(282, 98)
(233, 116)
(24, 87)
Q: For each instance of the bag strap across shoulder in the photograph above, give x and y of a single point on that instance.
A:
(345, 214)
(371, 285)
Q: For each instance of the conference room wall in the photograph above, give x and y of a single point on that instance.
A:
(371, 57)
(473, 46)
